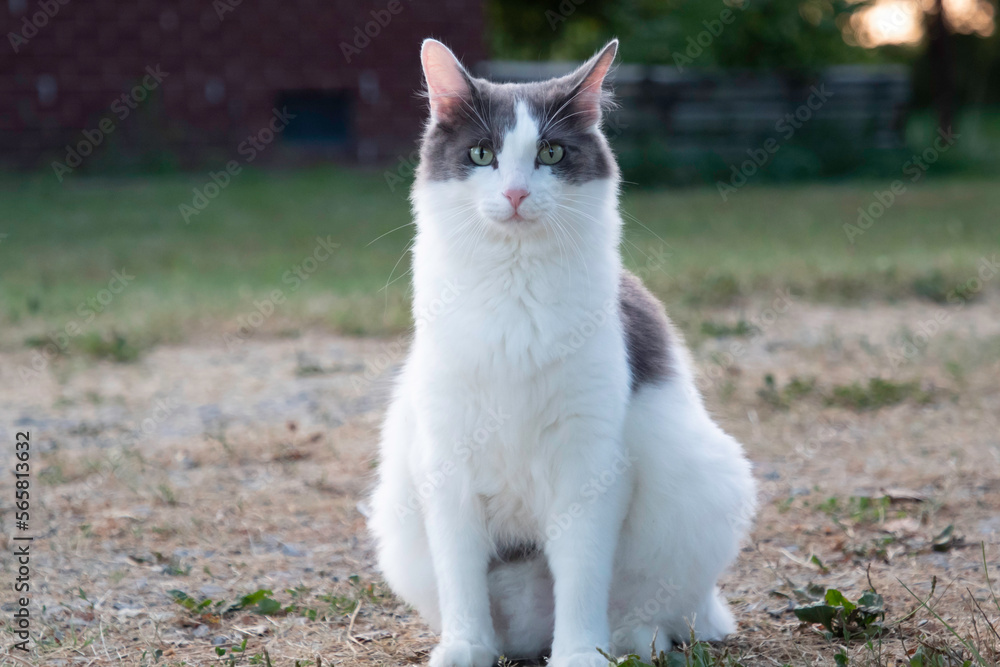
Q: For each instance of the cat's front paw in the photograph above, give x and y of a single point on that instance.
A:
(462, 653)
(584, 659)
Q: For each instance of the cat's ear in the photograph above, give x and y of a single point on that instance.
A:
(589, 93)
(448, 84)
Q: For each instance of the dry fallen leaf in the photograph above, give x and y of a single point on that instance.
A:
(903, 495)
(901, 527)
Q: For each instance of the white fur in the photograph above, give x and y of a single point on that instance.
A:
(513, 422)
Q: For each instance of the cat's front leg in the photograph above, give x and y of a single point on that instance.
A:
(460, 552)
(581, 539)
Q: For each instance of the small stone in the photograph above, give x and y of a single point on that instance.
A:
(989, 527)
(211, 591)
(201, 631)
(938, 560)
(291, 550)
(220, 640)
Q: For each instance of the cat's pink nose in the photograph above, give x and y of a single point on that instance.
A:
(515, 196)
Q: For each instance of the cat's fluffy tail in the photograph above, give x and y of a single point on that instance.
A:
(523, 607)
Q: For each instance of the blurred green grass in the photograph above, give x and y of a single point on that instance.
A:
(64, 240)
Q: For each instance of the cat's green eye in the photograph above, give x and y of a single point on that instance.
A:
(481, 155)
(550, 154)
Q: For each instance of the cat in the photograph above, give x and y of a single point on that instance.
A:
(549, 480)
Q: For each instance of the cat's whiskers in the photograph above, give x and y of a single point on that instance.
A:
(454, 214)
(468, 230)
(382, 236)
(457, 210)
(557, 111)
(482, 229)
(554, 231)
(545, 114)
(572, 228)
(576, 211)
(650, 261)
(623, 213)
(489, 112)
(389, 281)
(464, 228)
(630, 255)
(563, 119)
(471, 231)
(409, 246)
(465, 103)
(568, 228)
(482, 123)
(576, 197)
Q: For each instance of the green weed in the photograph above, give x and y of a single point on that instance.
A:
(878, 393)
(783, 397)
(114, 347)
(850, 620)
(723, 330)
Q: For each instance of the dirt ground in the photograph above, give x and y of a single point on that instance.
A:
(220, 473)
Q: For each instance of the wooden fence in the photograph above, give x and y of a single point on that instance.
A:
(721, 115)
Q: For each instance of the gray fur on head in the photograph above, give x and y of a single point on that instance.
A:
(472, 111)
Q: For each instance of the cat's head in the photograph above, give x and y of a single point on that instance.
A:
(520, 157)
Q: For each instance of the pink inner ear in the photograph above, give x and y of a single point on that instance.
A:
(589, 99)
(446, 80)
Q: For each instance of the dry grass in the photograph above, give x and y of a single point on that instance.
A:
(253, 481)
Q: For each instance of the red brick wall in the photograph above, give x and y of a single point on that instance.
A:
(95, 50)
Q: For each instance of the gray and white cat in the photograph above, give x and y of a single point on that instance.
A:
(549, 479)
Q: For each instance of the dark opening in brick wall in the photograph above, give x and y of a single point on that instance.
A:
(322, 117)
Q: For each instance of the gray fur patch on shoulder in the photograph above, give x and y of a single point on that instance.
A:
(648, 337)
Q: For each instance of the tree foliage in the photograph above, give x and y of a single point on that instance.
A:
(786, 34)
